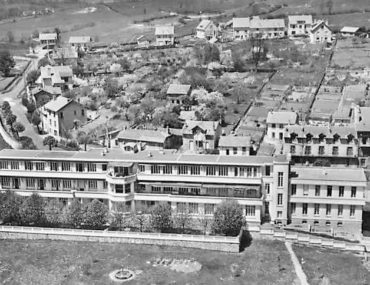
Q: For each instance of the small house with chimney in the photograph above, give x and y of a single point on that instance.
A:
(201, 136)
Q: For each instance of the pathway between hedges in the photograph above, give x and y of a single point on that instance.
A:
(297, 266)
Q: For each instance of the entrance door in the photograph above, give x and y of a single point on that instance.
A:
(41, 184)
(16, 183)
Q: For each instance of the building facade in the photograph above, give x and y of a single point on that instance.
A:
(165, 35)
(206, 30)
(244, 28)
(299, 25)
(321, 33)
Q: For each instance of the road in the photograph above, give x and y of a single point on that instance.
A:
(14, 98)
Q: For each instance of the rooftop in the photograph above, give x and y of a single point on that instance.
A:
(166, 156)
(178, 89)
(208, 126)
(330, 174)
(47, 89)
(302, 130)
(282, 117)
(47, 36)
(57, 104)
(234, 141)
(143, 135)
(164, 30)
(349, 29)
(294, 19)
(318, 24)
(258, 23)
(79, 39)
(204, 24)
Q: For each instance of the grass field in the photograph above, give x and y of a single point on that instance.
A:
(57, 262)
(351, 55)
(340, 268)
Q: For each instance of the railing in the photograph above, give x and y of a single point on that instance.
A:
(200, 194)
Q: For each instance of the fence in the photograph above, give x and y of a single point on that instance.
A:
(219, 243)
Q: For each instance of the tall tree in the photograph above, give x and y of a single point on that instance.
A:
(84, 138)
(228, 218)
(50, 141)
(10, 120)
(6, 62)
(9, 207)
(74, 214)
(36, 120)
(258, 49)
(182, 218)
(140, 217)
(18, 128)
(96, 215)
(161, 217)
(32, 76)
(32, 211)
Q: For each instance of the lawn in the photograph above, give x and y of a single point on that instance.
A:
(338, 267)
(59, 262)
(351, 55)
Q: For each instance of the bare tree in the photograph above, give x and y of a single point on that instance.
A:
(258, 49)
(182, 218)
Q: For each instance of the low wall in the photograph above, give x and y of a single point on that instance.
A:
(226, 244)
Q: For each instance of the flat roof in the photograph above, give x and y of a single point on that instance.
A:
(114, 155)
(329, 174)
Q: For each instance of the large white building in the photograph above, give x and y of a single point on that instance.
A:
(299, 25)
(265, 186)
(245, 28)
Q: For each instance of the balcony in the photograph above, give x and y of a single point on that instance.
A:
(120, 178)
(229, 194)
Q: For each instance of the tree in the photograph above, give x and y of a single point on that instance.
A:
(32, 211)
(96, 215)
(204, 223)
(140, 217)
(32, 76)
(115, 68)
(35, 34)
(6, 62)
(161, 217)
(74, 214)
(31, 107)
(10, 120)
(9, 207)
(118, 216)
(5, 108)
(125, 63)
(10, 36)
(53, 212)
(228, 218)
(182, 218)
(43, 62)
(36, 120)
(50, 141)
(258, 49)
(84, 138)
(210, 53)
(111, 88)
(58, 32)
(18, 128)
(329, 5)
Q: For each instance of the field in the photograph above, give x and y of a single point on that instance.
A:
(338, 267)
(54, 262)
(351, 55)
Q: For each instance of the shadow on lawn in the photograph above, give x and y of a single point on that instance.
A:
(245, 240)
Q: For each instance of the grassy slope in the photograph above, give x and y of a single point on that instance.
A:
(53, 262)
(339, 267)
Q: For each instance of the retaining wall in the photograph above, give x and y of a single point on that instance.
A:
(226, 244)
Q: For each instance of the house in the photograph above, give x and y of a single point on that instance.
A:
(349, 31)
(56, 76)
(140, 139)
(48, 40)
(206, 30)
(61, 115)
(321, 33)
(201, 136)
(245, 28)
(40, 96)
(235, 145)
(299, 25)
(65, 56)
(80, 42)
(143, 41)
(177, 92)
(165, 35)
(277, 121)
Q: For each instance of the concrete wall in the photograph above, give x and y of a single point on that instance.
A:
(226, 244)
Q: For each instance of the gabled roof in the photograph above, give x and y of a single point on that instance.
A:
(65, 52)
(241, 22)
(318, 24)
(294, 19)
(349, 29)
(302, 130)
(79, 39)
(257, 23)
(47, 36)
(143, 135)
(234, 141)
(204, 24)
(62, 70)
(58, 103)
(178, 89)
(164, 30)
(48, 89)
(208, 126)
(282, 117)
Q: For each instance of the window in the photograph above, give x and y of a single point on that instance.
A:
(223, 171)
(279, 214)
(294, 189)
(141, 167)
(341, 191)
(244, 150)
(183, 169)
(93, 184)
(292, 208)
(209, 209)
(340, 224)
(3, 164)
(267, 188)
(55, 184)
(352, 210)
(328, 209)
(105, 184)
(227, 151)
(268, 170)
(353, 192)
(91, 167)
(67, 184)
(5, 181)
(335, 150)
(210, 170)
(119, 188)
(340, 210)
(317, 209)
(195, 170)
(307, 150)
(305, 189)
(235, 150)
(167, 169)
(349, 151)
(317, 190)
(181, 207)
(280, 179)
(30, 183)
(250, 211)
(82, 112)
(281, 126)
(321, 150)
(236, 171)
(280, 199)
(28, 165)
(61, 115)
(304, 208)
(40, 166)
(156, 189)
(53, 166)
(155, 169)
(292, 149)
(127, 188)
(66, 166)
(273, 135)
(329, 190)
(193, 208)
(14, 165)
(273, 126)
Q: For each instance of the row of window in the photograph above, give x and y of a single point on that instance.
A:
(54, 166)
(335, 150)
(209, 209)
(329, 190)
(328, 208)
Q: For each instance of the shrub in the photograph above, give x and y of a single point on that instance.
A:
(95, 215)
(161, 217)
(32, 211)
(9, 207)
(228, 218)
